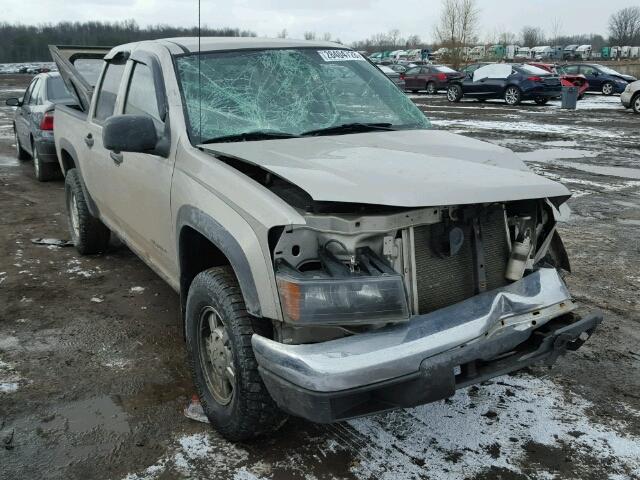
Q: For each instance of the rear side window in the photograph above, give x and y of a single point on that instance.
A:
(569, 69)
(141, 97)
(56, 89)
(587, 70)
(108, 92)
(35, 93)
(29, 92)
(444, 69)
(413, 71)
(89, 68)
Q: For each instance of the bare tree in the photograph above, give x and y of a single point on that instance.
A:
(532, 36)
(326, 37)
(458, 27)
(413, 41)
(309, 35)
(624, 26)
(555, 29)
(282, 33)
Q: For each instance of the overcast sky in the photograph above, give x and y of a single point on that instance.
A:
(348, 20)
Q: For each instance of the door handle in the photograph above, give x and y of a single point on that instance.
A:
(116, 157)
(89, 140)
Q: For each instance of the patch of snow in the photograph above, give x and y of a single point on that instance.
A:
(97, 299)
(137, 289)
(9, 378)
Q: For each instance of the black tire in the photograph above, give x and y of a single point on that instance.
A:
(21, 153)
(236, 402)
(431, 88)
(635, 103)
(88, 233)
(512, 95)
(541, 101)
(581, 96)
(608, 88)
(44, 171)
(454, 93)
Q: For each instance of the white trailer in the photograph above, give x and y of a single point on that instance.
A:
(541, 52)
(510, 52)
(625, 51)
(635, 52)
(583, 52)
(478, 53)
(523, 53)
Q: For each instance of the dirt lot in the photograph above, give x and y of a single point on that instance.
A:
(92, 367)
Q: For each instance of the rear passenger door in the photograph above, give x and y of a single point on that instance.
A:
(140, 183)
(23, 116)
(593, 77)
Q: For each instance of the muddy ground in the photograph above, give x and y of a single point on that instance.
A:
(93, 379)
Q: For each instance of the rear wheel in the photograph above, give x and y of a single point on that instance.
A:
(512, 95)
(541, 101)
(88, 233)
(454, 93)
(223, 366)
(635, 103)
(431, 88)
(20, 152)
(608, 88)
(43, 171)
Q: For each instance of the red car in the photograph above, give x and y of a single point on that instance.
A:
(430, 78)
(567, 80)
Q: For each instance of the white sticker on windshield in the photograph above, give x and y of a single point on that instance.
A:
(339, 55)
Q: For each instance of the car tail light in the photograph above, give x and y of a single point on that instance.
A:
(402, 76)
(535, 79)
(442, 77)
(47, 121)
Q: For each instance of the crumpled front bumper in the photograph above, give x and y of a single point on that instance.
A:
(430, 356)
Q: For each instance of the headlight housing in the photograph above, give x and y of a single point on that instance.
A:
(349, 300)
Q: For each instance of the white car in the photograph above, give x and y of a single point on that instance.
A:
(630, 98)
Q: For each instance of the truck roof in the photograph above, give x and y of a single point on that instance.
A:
(208, 44)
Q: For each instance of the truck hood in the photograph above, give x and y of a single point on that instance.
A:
(407, 168)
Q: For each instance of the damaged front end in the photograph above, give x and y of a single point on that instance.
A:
(400, 308)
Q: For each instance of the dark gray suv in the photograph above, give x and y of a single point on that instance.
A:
(33, 123)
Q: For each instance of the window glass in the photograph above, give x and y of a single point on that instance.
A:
(533, 70)
(89, 69)
(291, 91)
(413, 71)
(28, 93)
(141, 97)
(607, 70)
(108, 92)
(56, 89)
(569, 69)
(587, 70)
(33, 98)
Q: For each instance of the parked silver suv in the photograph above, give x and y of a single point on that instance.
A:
(335, 256)
(630, 98)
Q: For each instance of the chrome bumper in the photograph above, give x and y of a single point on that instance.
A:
(512, 312)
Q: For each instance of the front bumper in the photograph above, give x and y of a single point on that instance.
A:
(429, 357)
(625, 98)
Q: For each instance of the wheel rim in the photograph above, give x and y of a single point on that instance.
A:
(430, 88)
(451, 94)
(607, 89)
(636, 104)
(216, 357)
(511, 96)
(15, 134)
(75, 218)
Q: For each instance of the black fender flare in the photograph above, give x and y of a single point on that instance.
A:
(68, 147)
(219, 236)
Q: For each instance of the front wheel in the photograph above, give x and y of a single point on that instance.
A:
(541, 101)
(21, 153)
(431, 88)
(88, 233)
(635, 103)
(223, 366)
(608, 88)
(454, 93)
(512, 95)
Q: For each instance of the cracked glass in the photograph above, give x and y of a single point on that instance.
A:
(290, 91)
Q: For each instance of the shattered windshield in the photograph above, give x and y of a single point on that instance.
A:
(288, 91)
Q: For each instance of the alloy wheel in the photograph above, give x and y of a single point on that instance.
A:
(607, 89)
(511, 96)
(636, 104)
(431, 89)
(216, 356)
(452, 94)
(75, 218)
(18, 148)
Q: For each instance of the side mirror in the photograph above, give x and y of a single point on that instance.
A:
(13, 102)
(129, 133)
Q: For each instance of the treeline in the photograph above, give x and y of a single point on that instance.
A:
(29, 43)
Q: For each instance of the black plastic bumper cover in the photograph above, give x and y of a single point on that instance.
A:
(440, 375)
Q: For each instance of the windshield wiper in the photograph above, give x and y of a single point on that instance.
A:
(249, 136)
(350, 128)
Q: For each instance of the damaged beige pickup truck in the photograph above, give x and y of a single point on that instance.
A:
(334, 255)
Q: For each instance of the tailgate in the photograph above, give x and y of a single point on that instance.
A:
(79, 68)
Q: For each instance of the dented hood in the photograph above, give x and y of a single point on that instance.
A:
(407, 168)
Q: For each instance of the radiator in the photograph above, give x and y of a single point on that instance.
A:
(444, 281)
